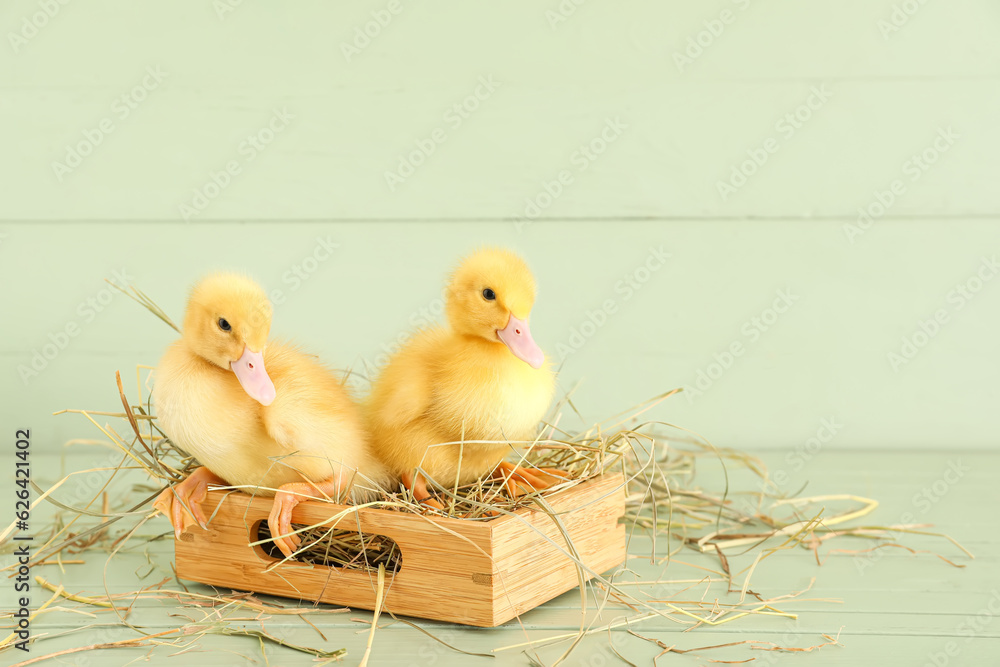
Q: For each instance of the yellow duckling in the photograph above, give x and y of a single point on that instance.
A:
(255, 416)
(482, 378)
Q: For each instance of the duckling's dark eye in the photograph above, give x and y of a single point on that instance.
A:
(224, 325)
(489, 294)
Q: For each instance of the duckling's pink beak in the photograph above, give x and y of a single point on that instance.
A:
(249, 370)
(517, 337)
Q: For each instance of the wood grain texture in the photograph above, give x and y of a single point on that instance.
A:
(904, 609)
(826, 358)
(356, 117)
(470, 572)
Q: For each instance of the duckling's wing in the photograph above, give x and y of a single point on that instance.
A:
(310, 402)
(406, 401)
(405, 391)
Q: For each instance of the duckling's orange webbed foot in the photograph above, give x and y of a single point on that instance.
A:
(418, 485)
(519, 481)
(285, 500)
(181, 503)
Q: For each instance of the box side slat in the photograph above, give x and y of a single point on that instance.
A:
(526, 550)
(476, 573)
(437, 555)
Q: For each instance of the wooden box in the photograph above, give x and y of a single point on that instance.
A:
(480, 573)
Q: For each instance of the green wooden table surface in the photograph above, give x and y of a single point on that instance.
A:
(893, 607)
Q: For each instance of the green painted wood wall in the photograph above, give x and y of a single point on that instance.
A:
(790, 208)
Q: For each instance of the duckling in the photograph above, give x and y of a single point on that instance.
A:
(481, 378)
(255, 413)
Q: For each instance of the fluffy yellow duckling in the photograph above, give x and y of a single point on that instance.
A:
(252, 415)
(481, 378)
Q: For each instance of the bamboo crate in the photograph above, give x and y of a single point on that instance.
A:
(480, 573)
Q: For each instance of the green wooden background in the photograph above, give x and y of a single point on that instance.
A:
(613, 308)
(789, 208)
(166, 141)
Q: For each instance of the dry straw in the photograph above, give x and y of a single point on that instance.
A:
(658, 463)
